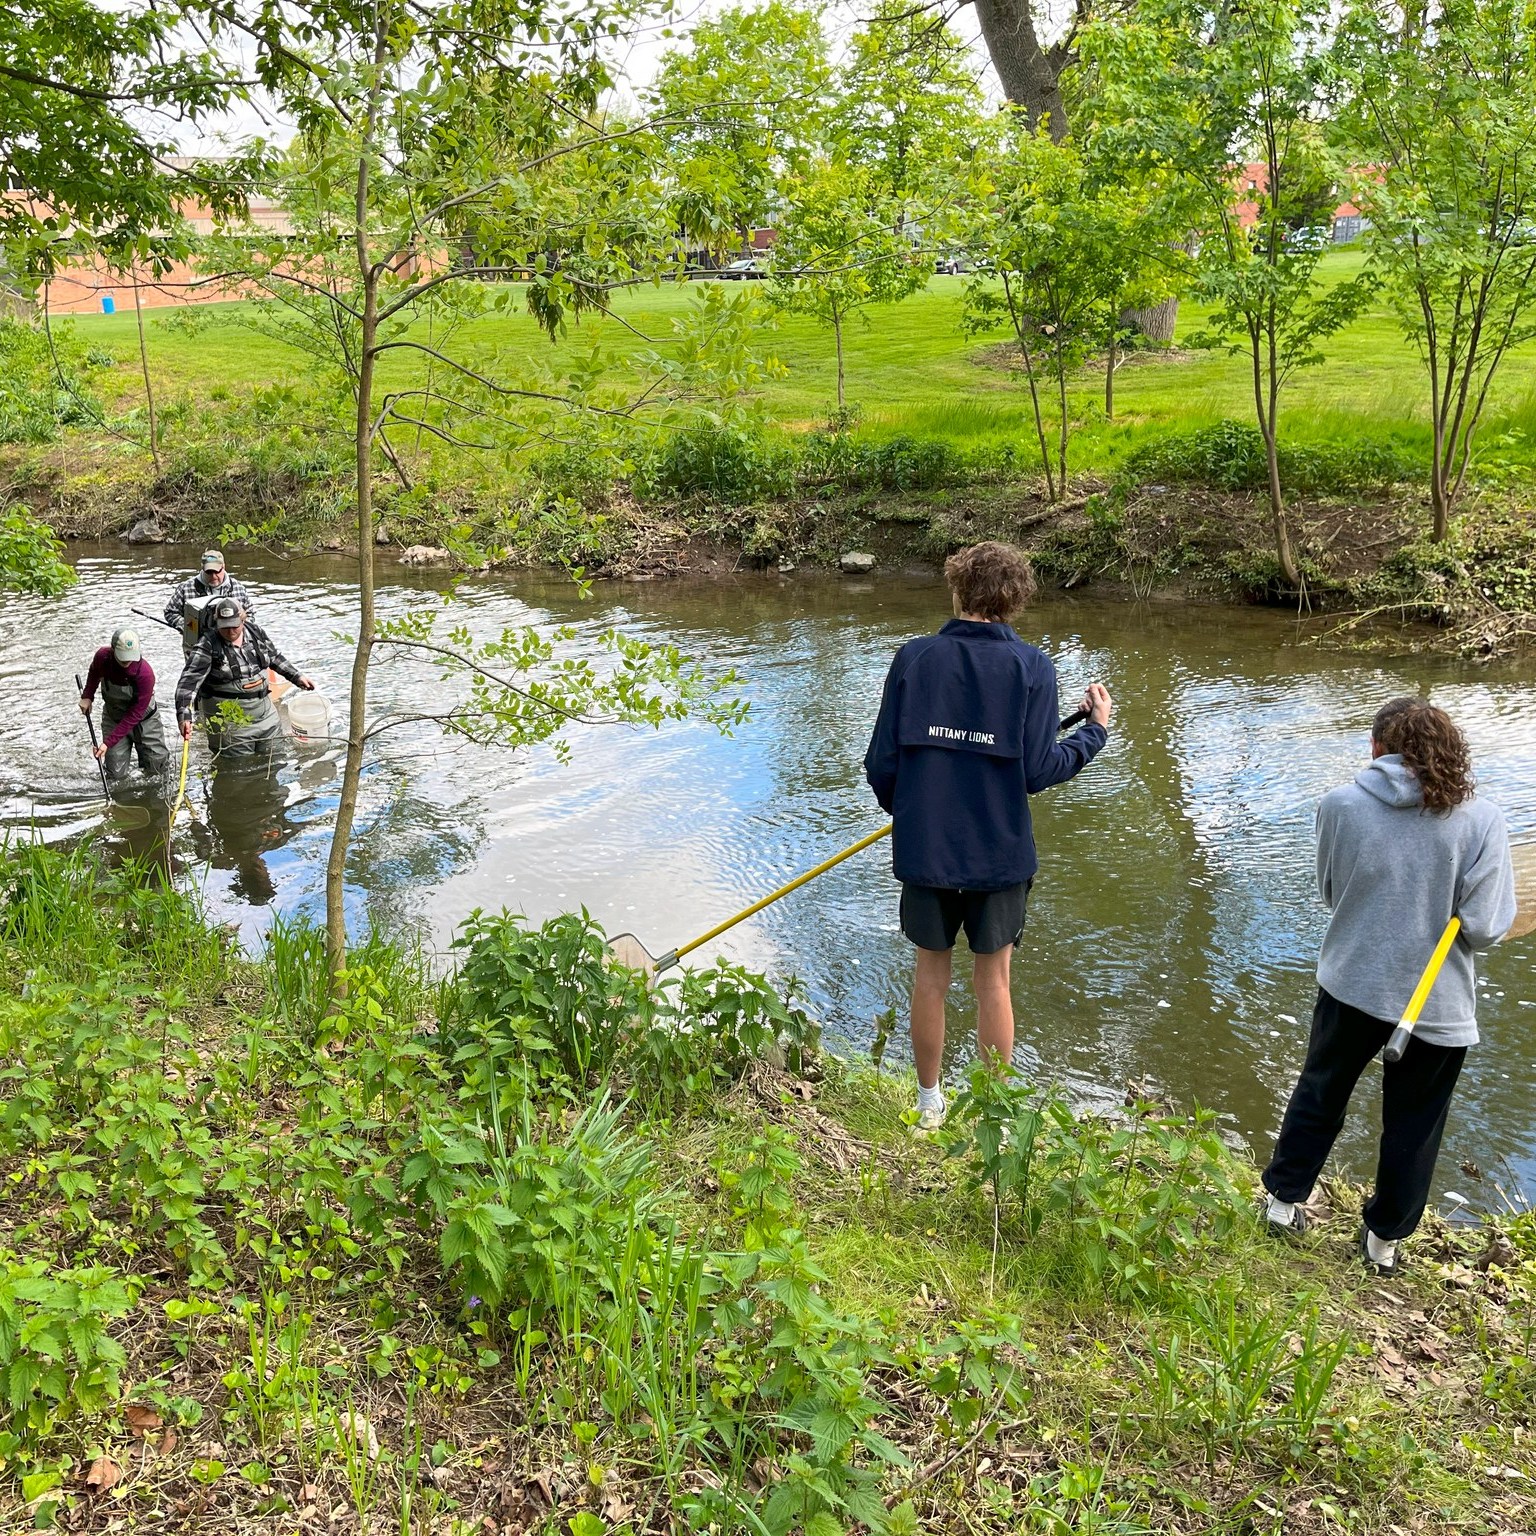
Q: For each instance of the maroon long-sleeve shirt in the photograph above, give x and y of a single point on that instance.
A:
(138, 675)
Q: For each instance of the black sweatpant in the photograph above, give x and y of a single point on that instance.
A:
(1416, 1093)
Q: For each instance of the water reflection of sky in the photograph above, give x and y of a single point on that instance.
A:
(1173, 929)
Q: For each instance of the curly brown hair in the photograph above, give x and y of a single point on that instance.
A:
(991, 580)
(1431, 744)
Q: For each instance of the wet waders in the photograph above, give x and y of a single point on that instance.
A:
(262, 730)
(147, 738)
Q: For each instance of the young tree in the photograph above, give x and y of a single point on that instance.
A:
(445, 151)
(1442, 122)
(1052, 272)
(740, 108)
(840, 251)
(909, 109)
(1199, 87)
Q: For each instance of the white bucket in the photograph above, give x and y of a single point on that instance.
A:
(306, 715)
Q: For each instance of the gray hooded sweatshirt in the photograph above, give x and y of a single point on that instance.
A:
(1393, 875)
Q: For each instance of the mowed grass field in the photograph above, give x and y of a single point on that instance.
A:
(911, 369)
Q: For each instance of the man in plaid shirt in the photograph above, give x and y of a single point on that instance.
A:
(193, 597)
(230, 665)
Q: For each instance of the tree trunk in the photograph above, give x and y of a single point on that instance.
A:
(1026, 71)
(837, 331)
(1267, 411)
(1062, 425)
(1283, 551)
(149, 389)
(357, 703)
(1156, 324)
(1034, 390)
(1439, 491)
(1109, 373)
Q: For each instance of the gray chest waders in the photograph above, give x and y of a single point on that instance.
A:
(117, 700)
(261, 729)
(146, 738)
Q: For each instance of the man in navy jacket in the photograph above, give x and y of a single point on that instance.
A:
(966, 733)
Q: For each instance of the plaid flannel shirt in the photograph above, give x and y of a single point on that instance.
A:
(195, 586)
(225, 671)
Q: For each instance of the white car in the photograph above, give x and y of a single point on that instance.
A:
(741, 271)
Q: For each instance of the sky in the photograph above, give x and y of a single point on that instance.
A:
(635, 59)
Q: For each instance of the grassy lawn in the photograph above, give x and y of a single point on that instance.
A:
(912, 370)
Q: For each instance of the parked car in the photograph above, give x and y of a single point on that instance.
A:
(951, 266)
(1313, 237)
(747, 268)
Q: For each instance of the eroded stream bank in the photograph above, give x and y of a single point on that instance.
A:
(1171, 934)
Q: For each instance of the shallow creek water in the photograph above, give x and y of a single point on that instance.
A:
(1172, 930)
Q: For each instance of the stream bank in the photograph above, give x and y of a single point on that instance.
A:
(1362, 550)
(265, 1267)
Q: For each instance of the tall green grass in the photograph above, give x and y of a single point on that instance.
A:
(75, 916)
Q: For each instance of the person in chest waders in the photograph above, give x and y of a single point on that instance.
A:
(193, 598)
(130, 718)
(230, 665)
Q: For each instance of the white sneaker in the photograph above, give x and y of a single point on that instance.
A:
(932, 1117)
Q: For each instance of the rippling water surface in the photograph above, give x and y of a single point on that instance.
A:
(1173, 928)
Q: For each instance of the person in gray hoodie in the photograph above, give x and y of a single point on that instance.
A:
(1400, 851)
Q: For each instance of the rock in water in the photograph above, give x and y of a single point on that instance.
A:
(423, 554)
(856, 563)
(146, 531)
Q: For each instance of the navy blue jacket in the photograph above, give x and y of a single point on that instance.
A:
(966, 733)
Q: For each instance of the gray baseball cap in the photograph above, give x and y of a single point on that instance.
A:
(213, 559)
(228, 614)
(125, 645)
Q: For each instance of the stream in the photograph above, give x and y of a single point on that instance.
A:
(1173, 928)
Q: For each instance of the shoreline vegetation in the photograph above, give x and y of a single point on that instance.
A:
(1167, 498)
(522, 1247)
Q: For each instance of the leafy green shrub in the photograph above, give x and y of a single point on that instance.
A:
(1128, 1205)
(31, 559)
(57, 1357)
(558, 975)
(725, 461)
(43, 390)
(582, 472)
(552, 997)
(716, 1023)
(531, 1219)
(900, 463)
(1229, 456)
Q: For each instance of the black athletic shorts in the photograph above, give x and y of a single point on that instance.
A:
(931, 917)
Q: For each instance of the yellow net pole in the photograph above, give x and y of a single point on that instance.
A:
(783, 890)
(1400, 1036)
(181, 788)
